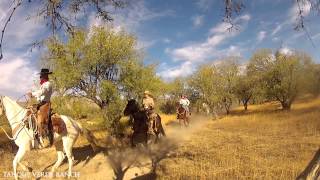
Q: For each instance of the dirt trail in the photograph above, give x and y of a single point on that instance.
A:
(104, 164)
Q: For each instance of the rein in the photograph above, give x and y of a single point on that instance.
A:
(21, 124)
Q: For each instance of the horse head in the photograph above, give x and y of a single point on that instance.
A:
(131, 107)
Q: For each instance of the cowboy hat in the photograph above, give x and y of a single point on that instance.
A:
(45, 71)
(147, 93)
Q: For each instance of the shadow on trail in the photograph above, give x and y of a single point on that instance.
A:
(139, 162)
(142, 162)
(85, 154)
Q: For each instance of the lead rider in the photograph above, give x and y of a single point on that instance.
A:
(43, 96)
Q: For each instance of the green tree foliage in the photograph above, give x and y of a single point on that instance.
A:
(172, 93)
(282, 77)
(89, 64)
(103, 66)
(287, 77)
(227, 71)
(60, 14)
(216, 83)
(136, 78)
(244, 89)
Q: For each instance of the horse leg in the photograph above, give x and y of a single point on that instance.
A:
(67, 146)
(187, 121)
(21, 152)
(60, 155)
(41, 143)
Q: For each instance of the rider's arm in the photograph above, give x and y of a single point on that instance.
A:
(44, 88)
(181, 101)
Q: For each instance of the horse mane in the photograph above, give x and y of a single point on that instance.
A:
(136, 105)
(14, 103)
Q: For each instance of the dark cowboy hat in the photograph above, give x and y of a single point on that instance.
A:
(45, 71)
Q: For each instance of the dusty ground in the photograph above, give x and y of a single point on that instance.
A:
(104, 164)
(262, 143)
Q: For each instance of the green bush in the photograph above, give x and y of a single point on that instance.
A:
(112, 118)
(168, 106)
(78, 108)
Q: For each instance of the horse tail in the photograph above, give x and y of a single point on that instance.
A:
(89, 136)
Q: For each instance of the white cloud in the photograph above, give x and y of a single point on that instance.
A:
(144, 44)
(166, 40)
(16, 76)
(275, 39)
(20, 32)
(131, 17)
(277, 29)
(181, 70)
(196, 53)
(316, 36)
(204, 4)
(304, 6)
(16, 71)
(197, 20)
(208, 49)
(245, 17)
(220, 28)
(261, 36)
(286, 51)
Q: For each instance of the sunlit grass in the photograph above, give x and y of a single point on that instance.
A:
(263, 143)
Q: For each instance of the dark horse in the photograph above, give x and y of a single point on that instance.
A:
(182, 115)
(140, 124)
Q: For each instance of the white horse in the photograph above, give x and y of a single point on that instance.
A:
(24, 137)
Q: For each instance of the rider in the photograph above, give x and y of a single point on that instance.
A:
(184, 102)
(43, 95)
(148, 106)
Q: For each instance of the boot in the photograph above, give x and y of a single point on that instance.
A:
(50, 134)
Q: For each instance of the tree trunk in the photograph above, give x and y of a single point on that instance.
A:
(286, 105)
(245, 104)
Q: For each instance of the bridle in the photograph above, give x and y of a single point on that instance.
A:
(22, 123)
(3, 109)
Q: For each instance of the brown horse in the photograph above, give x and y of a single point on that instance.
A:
(182, 115)
(141, 124)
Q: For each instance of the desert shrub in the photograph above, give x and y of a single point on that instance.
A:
(168, 106)
(112, 118)
(78, 108)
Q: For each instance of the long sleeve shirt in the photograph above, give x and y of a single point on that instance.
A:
(184, 102)
(43, 93)
(148, 103)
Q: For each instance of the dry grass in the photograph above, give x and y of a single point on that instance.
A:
(263, 143)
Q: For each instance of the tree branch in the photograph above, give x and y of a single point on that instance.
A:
(6, 24)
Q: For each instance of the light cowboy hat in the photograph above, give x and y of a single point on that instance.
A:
(147, 93)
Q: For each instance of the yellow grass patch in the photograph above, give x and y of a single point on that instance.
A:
(263, 143)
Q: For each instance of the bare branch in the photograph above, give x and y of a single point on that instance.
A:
(6, 24)
(232, 8)
(52, 12)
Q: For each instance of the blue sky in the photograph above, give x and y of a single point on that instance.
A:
(178, 35)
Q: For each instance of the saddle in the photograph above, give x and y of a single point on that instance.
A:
(57, 123)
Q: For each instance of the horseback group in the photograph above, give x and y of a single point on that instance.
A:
(31, 125)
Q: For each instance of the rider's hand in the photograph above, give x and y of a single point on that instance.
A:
(29, 94)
